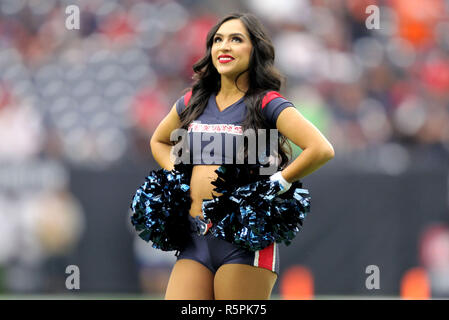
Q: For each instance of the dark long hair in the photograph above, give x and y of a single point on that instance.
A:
(263, 77)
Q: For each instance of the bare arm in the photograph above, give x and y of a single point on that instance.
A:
(317, 150)
(161, 146)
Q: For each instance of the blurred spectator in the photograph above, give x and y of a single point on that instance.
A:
(21, 131)
(434, 255)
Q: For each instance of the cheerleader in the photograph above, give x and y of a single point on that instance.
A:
(236, 88)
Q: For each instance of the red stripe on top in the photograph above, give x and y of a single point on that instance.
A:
(270, 96)
(266, 257)
(187, 97)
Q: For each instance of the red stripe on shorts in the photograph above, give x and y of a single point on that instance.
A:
(266, 257)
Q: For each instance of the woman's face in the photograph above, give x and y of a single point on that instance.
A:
(231, 48)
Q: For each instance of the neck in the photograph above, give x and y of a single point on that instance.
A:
(229, 88)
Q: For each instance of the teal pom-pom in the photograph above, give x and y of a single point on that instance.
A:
(160, 208)
(250, 214)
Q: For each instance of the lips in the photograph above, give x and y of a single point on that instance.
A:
(224, 58)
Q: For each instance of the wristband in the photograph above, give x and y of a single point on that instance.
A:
(285, 185)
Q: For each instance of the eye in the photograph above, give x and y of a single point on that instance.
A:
(233, 38)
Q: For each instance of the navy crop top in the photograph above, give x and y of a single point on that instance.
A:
(212, 137)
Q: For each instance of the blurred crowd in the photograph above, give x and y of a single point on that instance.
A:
(92, 97)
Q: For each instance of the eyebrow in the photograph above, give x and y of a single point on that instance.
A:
(232, 34)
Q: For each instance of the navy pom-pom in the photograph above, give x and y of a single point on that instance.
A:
(250, 214)
(160, 208)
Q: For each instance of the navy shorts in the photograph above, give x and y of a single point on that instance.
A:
(213, 252)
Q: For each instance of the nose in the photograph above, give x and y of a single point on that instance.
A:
(224, 45)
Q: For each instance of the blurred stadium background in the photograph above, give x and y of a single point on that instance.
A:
(78, 107)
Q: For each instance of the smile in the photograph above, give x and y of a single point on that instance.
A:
(225, 59)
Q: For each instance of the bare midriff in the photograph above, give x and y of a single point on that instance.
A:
(201, 186)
